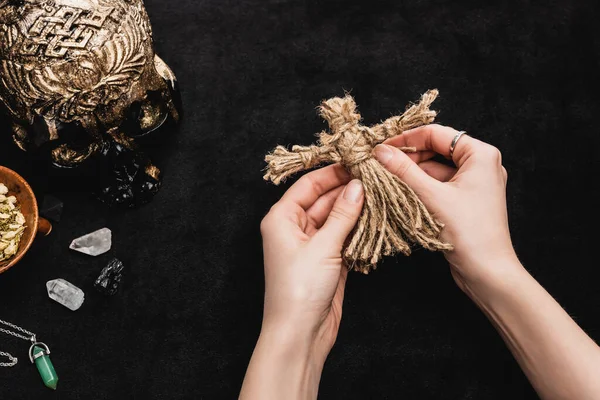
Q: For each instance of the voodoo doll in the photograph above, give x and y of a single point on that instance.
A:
(393, 218)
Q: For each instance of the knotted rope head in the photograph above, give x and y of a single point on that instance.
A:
(352, 142)
(393, 217)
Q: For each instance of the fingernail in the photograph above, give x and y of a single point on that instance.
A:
(383, 153)
(354, 191)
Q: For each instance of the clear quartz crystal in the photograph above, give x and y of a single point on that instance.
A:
(93, 244)
(65, 293)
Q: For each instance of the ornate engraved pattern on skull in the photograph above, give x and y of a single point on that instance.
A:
(63, 28)
(94, 56)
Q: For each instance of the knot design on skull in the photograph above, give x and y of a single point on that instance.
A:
(61, 28)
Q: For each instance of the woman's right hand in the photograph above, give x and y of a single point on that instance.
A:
(557, 356)
(469, 199)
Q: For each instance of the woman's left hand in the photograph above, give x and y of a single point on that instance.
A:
(303, 236)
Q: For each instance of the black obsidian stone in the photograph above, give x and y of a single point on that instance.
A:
(110, 278)
(126, 182)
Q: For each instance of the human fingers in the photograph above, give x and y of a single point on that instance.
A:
(439, 171)
(315, 184)
(439, 139)
(342, 218)
(399, 164)
(317, 213)
(421, 156)
(417, 156)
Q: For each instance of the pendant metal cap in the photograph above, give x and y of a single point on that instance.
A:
(45, 352)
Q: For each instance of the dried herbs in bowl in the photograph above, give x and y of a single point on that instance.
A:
(12, 224)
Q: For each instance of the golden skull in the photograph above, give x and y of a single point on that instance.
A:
(80, 76)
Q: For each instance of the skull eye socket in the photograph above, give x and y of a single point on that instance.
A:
(145, 116)
(152, 116)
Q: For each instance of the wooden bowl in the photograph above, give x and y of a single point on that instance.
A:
(34, 224)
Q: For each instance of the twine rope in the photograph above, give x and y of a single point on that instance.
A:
(393, 218)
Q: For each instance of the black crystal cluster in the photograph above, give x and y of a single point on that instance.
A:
(110, 278)
(127, 183)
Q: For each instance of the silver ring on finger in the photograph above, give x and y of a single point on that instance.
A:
(455, 141)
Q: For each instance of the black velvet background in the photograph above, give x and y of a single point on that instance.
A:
(520, 75)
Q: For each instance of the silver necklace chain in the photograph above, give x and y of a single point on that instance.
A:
(30, 337)
(12, 361)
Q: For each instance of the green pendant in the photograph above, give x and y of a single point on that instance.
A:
(39, 354)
